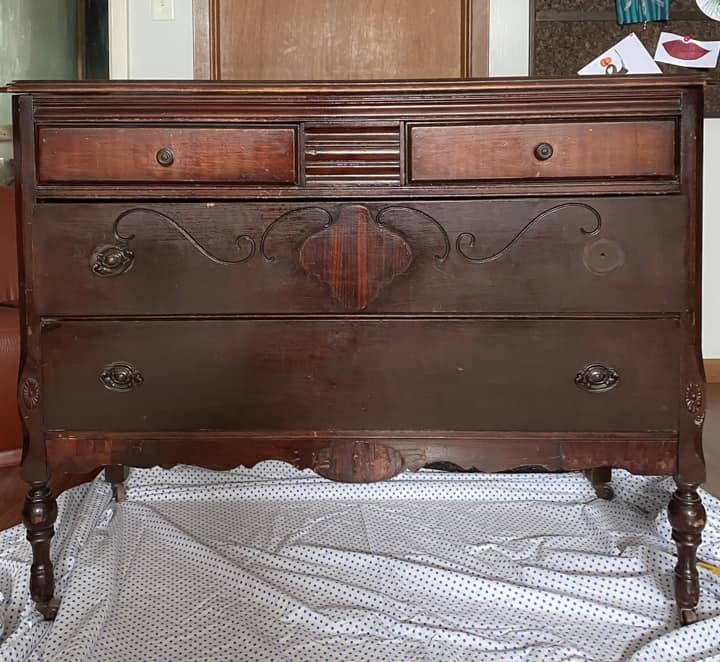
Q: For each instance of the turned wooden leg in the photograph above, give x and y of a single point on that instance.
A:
(600, 479)
(39, 516)
(115, 474)
(687, 518)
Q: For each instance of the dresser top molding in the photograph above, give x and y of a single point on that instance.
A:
(344, 87)
(373, 139)
(452, 99)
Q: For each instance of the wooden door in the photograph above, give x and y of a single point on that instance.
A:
(340, 39)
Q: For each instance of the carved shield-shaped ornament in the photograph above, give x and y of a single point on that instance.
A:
(355, 256)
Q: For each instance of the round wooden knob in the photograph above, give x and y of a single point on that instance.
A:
(543, 151)
(165, 157)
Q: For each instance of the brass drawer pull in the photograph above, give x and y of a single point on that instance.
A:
(120, 376)
(165, 157)
(597, 378)
(111, 260)
(543, 151)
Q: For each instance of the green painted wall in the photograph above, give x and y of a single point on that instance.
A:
(38, 39)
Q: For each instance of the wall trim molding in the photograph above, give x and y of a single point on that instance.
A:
(118, 39)
(11, 458)
(712, 371)
(510, 52)
(201, 37)
(206, 45)
(475, 38)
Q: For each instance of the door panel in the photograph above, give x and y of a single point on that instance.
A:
(340, 39)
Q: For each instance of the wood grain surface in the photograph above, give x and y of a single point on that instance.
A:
(339, 39)
(129, 154)
(360, 375)
(580, 149)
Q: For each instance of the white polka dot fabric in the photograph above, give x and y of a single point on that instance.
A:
(275, 564)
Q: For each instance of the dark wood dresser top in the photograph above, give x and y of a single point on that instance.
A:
(340, 87)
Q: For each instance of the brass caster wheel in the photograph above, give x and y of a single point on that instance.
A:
(119, 493)
(688, 616)
(49, 609)
(605, 492)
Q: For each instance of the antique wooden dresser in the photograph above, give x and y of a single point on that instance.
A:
(362, 278)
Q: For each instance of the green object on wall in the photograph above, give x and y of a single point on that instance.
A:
(642, 11)
(38, 39)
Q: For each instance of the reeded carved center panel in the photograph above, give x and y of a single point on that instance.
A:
(355, 256)
(346, 153)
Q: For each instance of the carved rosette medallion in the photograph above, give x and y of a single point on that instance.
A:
(355, 256)
(695, 402)
(30, 393)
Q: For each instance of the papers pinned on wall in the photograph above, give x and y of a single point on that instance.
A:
(687, 52)
(628, 56)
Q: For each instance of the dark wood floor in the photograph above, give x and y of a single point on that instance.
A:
(12, 489)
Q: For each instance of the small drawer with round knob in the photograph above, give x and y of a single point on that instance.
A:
(239, 155)
(537, 151)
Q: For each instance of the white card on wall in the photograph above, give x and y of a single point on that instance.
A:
(686, 52)
(628, 56)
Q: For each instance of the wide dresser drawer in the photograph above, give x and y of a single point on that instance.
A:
(542, 375)
(567, 150)
(239, 155)
(603, 255)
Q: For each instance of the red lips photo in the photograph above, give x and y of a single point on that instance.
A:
(684, 50)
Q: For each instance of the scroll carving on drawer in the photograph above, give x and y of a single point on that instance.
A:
(117, 258)
(571, 150)
(241, 155)
(533, 256)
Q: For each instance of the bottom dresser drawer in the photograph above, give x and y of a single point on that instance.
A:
(412, 374)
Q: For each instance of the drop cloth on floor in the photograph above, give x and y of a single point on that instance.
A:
(273, 563)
